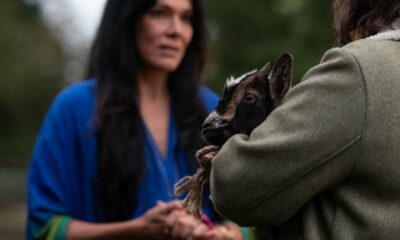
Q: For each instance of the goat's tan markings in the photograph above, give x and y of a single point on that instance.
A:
(240, 91)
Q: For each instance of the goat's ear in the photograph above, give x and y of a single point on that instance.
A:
(266, 69)
(281, 78)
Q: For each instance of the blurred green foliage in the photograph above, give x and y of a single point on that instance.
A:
(247, 34)
(31, 64)
(244, 35)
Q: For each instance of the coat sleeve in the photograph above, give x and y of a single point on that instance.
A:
(306, 146)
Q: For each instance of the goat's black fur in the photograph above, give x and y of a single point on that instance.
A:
(247, 103)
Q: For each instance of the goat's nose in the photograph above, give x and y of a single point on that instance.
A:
(206, 125)
(208, 121)
(214, 120)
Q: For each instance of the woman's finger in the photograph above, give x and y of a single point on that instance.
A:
(167, 207)
(172, 218)
(199, 231)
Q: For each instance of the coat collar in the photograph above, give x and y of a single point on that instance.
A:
(392, 32)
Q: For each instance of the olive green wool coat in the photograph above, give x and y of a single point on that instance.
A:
(326, 163)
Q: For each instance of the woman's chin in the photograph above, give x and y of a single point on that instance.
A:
(168, 64)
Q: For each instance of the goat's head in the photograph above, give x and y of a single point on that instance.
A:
(248, 100)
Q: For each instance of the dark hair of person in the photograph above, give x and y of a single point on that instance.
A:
(114, 62)
(357, 19)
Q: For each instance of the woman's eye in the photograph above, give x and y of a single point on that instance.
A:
(187, 18)
(250, 98)
(158, 13)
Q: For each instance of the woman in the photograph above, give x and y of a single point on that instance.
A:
(325, 164)
(112, 147)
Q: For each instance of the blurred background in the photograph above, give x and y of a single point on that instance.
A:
(44, 44)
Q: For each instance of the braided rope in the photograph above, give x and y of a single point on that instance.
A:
(194, 184)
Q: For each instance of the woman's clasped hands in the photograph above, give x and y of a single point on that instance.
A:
(169, 220)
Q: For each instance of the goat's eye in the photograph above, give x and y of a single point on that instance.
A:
(250, 98)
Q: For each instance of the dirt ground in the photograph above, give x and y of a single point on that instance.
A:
(12, 221)
(12, 202)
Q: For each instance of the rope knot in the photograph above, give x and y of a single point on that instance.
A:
(194, 184)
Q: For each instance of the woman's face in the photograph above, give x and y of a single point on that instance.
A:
(164, 33)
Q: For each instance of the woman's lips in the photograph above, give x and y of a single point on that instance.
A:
(169, 50)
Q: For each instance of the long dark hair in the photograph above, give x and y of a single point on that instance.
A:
(356, 19)
(114, 62)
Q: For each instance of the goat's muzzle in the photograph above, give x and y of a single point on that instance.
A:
(214, 129)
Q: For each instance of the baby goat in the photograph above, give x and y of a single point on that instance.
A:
(246, 102)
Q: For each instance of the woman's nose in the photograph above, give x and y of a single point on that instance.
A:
(175, 26)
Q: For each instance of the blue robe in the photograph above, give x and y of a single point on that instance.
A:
(64, 163)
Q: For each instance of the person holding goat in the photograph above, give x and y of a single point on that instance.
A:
(325, 163)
